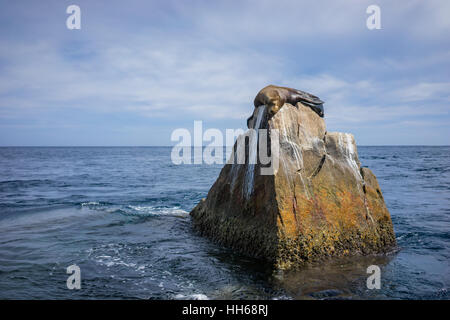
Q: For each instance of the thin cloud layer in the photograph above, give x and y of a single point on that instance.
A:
(138, 69)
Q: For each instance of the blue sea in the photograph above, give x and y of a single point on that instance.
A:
(121, 215)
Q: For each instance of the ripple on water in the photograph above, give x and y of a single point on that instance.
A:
(121, 214)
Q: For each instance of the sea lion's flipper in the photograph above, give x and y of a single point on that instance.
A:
(308, 97)
(318, 109)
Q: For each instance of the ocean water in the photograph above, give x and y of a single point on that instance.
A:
(121, 215)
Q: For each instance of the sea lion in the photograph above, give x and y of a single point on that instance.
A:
(275, 97)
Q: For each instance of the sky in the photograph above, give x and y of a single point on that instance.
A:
(138, 70)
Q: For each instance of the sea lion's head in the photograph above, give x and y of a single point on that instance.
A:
(274, 102)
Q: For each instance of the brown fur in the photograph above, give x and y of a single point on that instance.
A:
(275, 97)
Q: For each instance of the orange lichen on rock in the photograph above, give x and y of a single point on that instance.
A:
(320, 203)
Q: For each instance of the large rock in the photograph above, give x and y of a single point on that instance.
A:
(319, 203)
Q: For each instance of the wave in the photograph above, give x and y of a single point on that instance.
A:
(158, 211)
(194, 296)
(136, 210)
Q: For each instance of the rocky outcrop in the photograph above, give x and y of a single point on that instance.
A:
(319, 203)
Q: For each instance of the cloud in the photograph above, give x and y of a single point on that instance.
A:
(143, 78)
(368, 101)
(174, 62)
(307, 22)
(425, 91)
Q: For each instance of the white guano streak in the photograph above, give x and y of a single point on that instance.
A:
(294, 146)
(346, 145)
(295, 150)
(253, 152)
